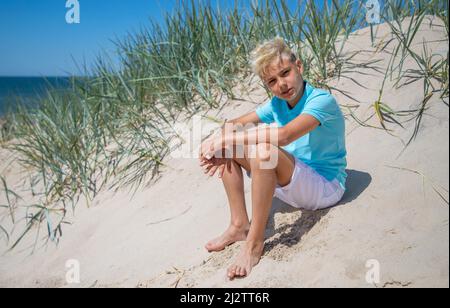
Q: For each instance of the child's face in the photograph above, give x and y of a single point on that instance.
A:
(284, 79)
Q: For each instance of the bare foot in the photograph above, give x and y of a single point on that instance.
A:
(248, 257)
(231, 235)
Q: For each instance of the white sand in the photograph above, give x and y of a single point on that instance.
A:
(156, 238)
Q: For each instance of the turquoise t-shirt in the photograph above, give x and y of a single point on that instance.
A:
(323, 148)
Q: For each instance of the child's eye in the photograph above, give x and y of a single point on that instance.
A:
(271, 82)
(285, 73)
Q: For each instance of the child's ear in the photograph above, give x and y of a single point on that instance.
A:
(300, 66)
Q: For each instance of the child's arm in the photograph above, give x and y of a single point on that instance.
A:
(279, 136)
(250, 117)
(219, 164)
(230, 126)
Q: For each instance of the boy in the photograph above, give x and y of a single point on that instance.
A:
(308, 143)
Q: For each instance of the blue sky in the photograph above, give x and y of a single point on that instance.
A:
(36, 40)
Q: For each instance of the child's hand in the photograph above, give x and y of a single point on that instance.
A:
(210, 163)
(204, 148)
(214, 164)
(210, 147)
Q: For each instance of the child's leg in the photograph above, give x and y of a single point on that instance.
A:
(234, 186)
(263, 186)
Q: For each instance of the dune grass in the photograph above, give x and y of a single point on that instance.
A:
(431, 69)
(113, 128)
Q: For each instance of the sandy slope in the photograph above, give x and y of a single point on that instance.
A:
(394, 216)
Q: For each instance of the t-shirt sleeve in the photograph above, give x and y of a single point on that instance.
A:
(323, 107)
(265, 112)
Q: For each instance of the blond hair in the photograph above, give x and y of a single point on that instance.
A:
(264, 54)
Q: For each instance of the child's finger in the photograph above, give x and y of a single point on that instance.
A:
(221, 171)
(213, 171)
(207, 164)
(207, 168)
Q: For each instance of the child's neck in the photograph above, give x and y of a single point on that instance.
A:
(292, 103)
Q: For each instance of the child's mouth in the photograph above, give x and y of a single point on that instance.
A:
(287, 92)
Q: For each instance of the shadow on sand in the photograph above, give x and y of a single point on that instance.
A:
(291, 234)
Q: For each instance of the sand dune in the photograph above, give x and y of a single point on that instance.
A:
(389, 214)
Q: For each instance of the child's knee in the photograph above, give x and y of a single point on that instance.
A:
(266, 156)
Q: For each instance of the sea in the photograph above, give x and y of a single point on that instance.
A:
(26, 90)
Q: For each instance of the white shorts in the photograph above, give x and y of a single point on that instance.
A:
(308, 189)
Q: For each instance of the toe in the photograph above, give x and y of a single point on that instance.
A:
(247, 271)
(231, 271)
(213, 246)
(238, 271)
